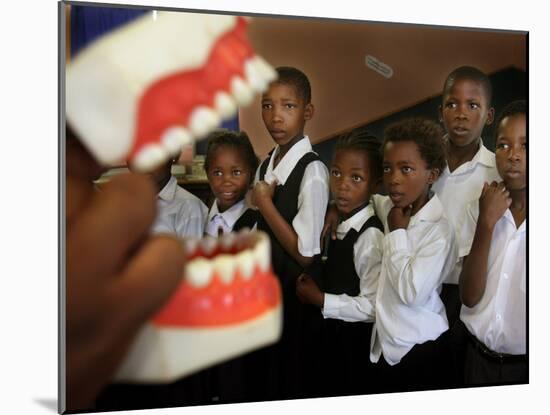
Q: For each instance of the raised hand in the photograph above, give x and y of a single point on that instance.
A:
(399, 218)
(493, 203)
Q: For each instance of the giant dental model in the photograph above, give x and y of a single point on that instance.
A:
(140, 94)
(228, 303)
(153, 86)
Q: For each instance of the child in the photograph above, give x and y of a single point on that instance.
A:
(346, 289)
(291, 193)
(418, 253)
(493, 279)
(465, 110)
(179, 212)
(230, 166)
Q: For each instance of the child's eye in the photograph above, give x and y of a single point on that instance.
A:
(474, 105)
(217, 173)
(266, 106)
(502, 146)
(356, 178)
(236, 172)
(290, 106)
(450, 105)
(386, 169)
(406, 169)
(335, 173)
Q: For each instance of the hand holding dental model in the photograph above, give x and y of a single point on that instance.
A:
(141, 94)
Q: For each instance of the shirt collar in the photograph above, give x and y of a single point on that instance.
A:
(169, 190)
(355, 222)
(231, 215)
(432, 211)
(510, 218)
(288, 162)
(483, 156)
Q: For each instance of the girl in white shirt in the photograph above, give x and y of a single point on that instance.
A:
(230, 165)
(418, 253)
(344, 287)
(493, 279)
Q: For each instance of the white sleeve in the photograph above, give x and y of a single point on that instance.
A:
(190, 218)
(368, 260)
(467, 228)
(312, 205)
(415, 274)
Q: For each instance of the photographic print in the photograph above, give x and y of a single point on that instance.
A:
(262, 207)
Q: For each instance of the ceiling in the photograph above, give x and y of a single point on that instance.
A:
(346, 92)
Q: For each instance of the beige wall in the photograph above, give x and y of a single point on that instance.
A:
(345, 91)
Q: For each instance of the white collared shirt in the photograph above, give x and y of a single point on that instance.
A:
(225, 220)
(499, 319)
(415, 262)
(179, 212)
(312, 198)
(457, 189)
(367, 254)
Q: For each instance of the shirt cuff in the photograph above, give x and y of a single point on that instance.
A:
(331, 306)
(396, 240)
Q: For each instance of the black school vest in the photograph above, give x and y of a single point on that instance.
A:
(247, 220)
(339, 274)
(285, 200)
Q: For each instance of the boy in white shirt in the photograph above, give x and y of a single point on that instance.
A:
(418, 253)
(493, 279)
(291, 193)
(466, 109)
(179, 212)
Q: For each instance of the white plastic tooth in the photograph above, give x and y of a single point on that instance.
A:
(202, 121)
(242, 93)
(254, 77)
(225, 105)
(227, 241)
(150, 157)
(245, 262)
(265, 69)
(224, 266)
(199, 272)
(175, 138)
(262, 253)
(190, 245)
(208, 245)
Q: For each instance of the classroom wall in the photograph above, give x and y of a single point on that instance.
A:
(346, 93)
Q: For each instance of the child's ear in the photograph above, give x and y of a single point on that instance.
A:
(490, 116)
(309, 111)
(433, 175)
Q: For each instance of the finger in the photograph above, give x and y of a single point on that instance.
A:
(81, 171)
(509, 201)
(149, 279)
(115, 221)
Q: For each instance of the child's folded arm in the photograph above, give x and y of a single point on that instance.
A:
(368, 260)
(416, 274)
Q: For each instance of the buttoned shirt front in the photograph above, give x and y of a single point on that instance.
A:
(499, 319)
(457, 189)
(415, 262)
